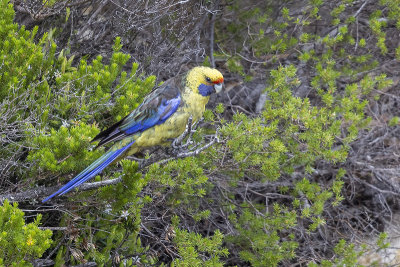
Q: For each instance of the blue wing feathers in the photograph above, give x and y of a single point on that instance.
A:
(155, 109)
(172, 106)
(90, 172)
(164, 111)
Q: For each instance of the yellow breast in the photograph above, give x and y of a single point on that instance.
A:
(193, 105)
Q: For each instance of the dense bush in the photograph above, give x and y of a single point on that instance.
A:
(20, 242)
(277, 185)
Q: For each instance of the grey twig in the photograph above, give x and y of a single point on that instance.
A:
(29, 194)
(94, 15)
(212, 61)
(360, 9)
(54, 228)
(194, 152)
(39, 192)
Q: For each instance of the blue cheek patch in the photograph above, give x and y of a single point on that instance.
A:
(206, 90)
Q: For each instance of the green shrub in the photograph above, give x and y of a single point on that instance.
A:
(20, 242)
(260, 179)
(196, 250)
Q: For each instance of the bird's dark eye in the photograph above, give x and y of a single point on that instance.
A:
(208, 79)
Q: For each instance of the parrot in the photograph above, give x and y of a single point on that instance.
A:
(161, 117)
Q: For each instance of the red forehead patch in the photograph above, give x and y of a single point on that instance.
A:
(220, 80)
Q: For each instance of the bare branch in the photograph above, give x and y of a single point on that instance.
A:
(181, 152)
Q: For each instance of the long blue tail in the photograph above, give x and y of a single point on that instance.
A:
(90, 172)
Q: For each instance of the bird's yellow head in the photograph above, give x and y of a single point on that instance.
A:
(204, 80)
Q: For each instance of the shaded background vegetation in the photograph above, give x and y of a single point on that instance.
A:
(306, 163)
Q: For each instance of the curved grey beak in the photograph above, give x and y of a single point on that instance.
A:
(218, 87)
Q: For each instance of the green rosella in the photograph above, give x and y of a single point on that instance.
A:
(161, 117)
